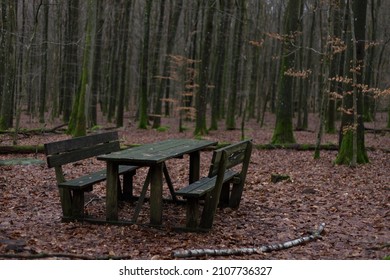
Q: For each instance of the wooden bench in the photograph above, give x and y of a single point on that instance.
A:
(80, 148)
(223, 186)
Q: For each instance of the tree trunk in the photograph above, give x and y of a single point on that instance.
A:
(220, 64)
(164, 83)
(113, 77)
(143, 116)
(235, 79)
(96, 69)
(283, 132)
(77, 123)
(8, 54)
(42, 97)
(123, 67)
(352, 148)
(156, 63)
(70, 72)
(201, 127)
(327, 59)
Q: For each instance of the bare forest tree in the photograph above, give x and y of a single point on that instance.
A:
(283, 132)
(113, 60)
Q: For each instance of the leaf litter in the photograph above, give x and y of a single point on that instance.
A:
(353, 203)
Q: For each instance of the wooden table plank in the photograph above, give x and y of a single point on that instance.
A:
(149, 154)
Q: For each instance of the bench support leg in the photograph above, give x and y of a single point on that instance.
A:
(141, 198)
(194, 166)
(156, 182)
(112, 192)
(192, 214)
(128, 185)
(78, 204)
(65, 195)
(169, 182)
(235, 196)
(225, 195)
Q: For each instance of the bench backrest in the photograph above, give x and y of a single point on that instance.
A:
(235, 154)
(79, 148)
(223, 159)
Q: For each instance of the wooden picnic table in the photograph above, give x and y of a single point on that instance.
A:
(153, 156)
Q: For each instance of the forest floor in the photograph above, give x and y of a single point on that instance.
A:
(354, 203)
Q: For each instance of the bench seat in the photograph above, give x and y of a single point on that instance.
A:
(204, 185)
(86, 181)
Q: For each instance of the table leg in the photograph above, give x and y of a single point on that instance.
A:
(156, 184)
(112, 192)
(194, 166)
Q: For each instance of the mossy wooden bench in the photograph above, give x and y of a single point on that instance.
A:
(80, 148)
(223, 186)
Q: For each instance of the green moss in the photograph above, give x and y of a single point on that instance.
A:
(96, 127)
(306, 147)
(198, 136)
(346, 151)
(283, 133)
(162, 128)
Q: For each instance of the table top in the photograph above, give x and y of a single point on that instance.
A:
(157, 152)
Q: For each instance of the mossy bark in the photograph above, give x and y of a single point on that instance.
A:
(351, 142)
(283, 133)
(78, 122)
(345, 154)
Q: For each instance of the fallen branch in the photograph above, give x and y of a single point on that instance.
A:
(298, 147)
(253, 250)
(376, 130)
(35, 131)
(28, 149)
(61, 256)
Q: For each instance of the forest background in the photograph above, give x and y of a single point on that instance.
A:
(197, 60)
(280, 72)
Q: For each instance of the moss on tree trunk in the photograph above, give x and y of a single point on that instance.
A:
(345, 153)
(283, 133)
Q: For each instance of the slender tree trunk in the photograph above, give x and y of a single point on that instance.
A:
(337, 68)
(143, 117)
(388, 115)
(164, 83)
(221, 59)
(96, 71)
(123, 51)
(327, 59)
(70, 71)
(113, 77)
(309, 64)
(201, 127)
(8, 54)
(156, 63)
(42, 97)
(237, 47)
(369, 62)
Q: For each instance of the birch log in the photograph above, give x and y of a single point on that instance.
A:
(252, 250)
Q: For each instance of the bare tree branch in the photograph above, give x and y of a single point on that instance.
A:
(253, 250)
